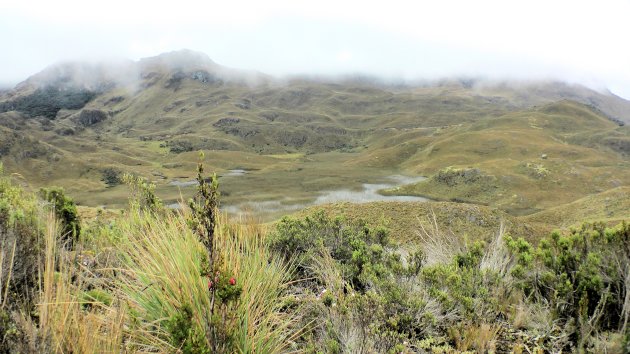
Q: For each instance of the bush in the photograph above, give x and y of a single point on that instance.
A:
(582, 275)
(89, 117)
(66, 211)
(142, 194)
(111, 176)
(369, 295)
(463, 287)
(359, 250)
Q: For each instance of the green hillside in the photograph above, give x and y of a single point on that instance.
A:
(522, 148)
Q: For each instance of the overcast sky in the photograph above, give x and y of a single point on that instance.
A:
(577, 41)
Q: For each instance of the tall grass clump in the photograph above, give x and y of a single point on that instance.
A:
(141, 282)
(44, 307)
(21, 245)
(69, 319)
(159, 280)
(180, 299)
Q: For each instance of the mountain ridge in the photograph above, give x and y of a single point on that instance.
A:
(104, 76)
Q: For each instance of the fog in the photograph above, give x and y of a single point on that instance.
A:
(574, 41)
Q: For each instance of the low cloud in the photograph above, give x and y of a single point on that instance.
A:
(565, 40)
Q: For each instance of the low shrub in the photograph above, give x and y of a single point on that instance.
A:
(582, 275)
(66, 211)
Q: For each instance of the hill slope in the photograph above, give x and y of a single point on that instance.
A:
(518, 147)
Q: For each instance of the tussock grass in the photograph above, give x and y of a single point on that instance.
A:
(63, 319)
(161, 273)
(439, 246)
(262, 327)
(153, 273)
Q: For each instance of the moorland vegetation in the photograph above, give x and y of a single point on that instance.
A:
(153, 279)
(112, 238)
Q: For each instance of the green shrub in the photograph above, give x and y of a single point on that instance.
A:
(359, 250)
(184, 335)
(66, 211)
(463, 286)
(142, 193)
(369, 292)
(111, 176)
(581, 274)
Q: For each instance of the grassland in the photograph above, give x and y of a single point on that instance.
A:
(465, 272)
(520, 149)
(142, 281)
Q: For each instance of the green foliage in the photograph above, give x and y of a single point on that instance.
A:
(524, 254)
(226, 292)
(15, 204)
(142, 193)
(111, 176)
(463, 286)
(178, 146)
(360, 251)
(66, 211)
(96, 296)
(184, 335)
(581, 274)
(205, 207)
(21, 243)
(368, 288)
(160, 261)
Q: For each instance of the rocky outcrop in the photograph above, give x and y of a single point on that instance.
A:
(205, 77)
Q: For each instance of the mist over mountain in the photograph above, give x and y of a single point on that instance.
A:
(189, 65)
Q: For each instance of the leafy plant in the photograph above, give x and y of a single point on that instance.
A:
(66, 210)
(463, 286)
(359, 250)
(142, 193)
(111, 176)
(582, 275)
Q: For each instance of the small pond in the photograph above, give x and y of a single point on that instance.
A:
(368, 193)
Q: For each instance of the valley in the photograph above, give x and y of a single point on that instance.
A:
(520, 147)
(349, 214)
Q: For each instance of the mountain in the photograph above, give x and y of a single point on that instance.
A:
(520, 147)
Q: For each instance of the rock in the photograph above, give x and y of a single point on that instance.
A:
(204, 77)
(244, 104)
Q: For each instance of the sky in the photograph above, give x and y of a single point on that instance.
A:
(575, 41)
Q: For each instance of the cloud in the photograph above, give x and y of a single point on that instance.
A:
(344, 56)
(575, 40)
